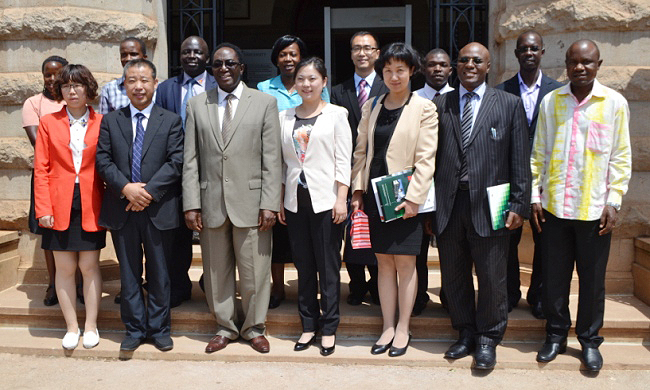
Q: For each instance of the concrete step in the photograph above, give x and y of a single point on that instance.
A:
(626, 318)
(36, 272)
(421, 353)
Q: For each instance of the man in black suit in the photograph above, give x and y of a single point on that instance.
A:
(173, 95)
(531, 85)
(482, 138)
(140, 157)
(351, 94)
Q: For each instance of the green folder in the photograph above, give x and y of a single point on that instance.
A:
(390, 191)
(498, 197)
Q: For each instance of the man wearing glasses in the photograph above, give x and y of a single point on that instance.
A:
(351, 94)
(232, 180)
(482, 142)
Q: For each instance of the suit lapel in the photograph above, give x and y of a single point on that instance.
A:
(486, 107)
(177, 93)
(454, 108)
(212, 103)
(351, 93)
(124, 122)
(242, 106)
(544, 88)
(153, 125)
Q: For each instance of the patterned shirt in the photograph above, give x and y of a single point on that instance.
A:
(581, 156)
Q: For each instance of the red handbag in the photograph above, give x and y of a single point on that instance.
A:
(360, 231)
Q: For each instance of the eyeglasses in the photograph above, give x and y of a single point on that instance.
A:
(365, 49)
(230, 64)
(465, 60)
(76, 87)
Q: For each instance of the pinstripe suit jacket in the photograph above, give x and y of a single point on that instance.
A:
(493, 158)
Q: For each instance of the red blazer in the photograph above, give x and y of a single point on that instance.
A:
(54, 173)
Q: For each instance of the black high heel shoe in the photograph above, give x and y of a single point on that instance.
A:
(326, 351)
(302, 346)
(378, 349)
(394, 352)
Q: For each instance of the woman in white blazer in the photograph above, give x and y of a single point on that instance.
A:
(316, 153)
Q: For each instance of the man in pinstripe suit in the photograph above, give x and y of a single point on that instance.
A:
(483, 139)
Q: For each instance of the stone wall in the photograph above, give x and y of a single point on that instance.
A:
(620, 29)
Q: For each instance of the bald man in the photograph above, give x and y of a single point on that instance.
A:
(173, 95)
(482, 142)
(576, 197)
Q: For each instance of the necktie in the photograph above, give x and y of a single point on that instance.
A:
(137, 149)
(466, 128)
(437, 94)
(363, 95)
(190, 92)
(227, 118)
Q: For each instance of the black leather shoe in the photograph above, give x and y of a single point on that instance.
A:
(50, 297)
(354, 300)
(326, 351)
(164, 343)
(419, 307)
(592, 359)
(485, 357)
(118, 298)
(275, 301)
(379, 349)
(130, 344)
(176, 300)
(302, 346)
(460, 349)
(394, 352)
(550, 351)
(537, 311)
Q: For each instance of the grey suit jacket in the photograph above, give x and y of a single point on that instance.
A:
(493, 157)
(239, 176)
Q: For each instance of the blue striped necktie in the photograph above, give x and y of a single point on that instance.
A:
(466, 129)
(137, 149)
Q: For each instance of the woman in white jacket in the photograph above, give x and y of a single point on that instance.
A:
(316, 151)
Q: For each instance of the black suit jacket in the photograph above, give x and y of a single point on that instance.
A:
(168, 94)
(345, 95)
(161, 167)
(492, 157)
(512, 86)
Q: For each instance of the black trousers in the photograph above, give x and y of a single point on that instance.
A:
(359, 286)
(180, 262)
(315, 243)
(150, 319)
(460, 247)
(565, 242)
(423, 271)
(535, 289)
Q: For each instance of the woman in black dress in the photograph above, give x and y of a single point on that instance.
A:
(397, 131)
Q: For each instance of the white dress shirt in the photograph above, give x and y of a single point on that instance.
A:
(529, 95)
(198, 87)
(428, 92)
(477, 99)
(134, 121)
(221, 108)
(369, 80)
(77, 145)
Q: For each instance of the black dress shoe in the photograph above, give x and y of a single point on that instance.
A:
(275, 301)
(326, 351)
(177, 300)
(460, 349)
(485, 357)
(50, 297)
(118, 298)
(592, 358)
(354, 300)
(130, 343)
(164, 343)
(378, 349)
(550, 351)
(395, 352)
(419, 307)
(302, 346)
(537, 311)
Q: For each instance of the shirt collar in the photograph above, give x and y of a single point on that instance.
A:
(369, 79)
(538, 82)
(480, 90)
(146, 112)
(120, 81)
(199, 79)
(597, 90)
(276, 83)
(237, 92)
(83, 119)
(430, 91)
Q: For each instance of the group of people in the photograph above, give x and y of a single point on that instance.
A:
(271, 176)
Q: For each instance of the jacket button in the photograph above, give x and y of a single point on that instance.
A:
(226, 180)
(225, 157)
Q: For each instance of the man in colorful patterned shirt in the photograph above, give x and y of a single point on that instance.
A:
(113, 95)
(581, 165)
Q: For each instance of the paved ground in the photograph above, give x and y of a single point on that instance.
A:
(31, 372)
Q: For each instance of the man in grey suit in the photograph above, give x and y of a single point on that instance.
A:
(232, 180)
(531, 85)
(482, 139)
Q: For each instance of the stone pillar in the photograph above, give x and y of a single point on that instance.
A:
(620, 29)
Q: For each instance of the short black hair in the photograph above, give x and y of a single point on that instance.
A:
(79, 74)
(317, 63)
(58, 59)
(284, 41)
(399, 51)
(362, 33)
(238, 51)
(140, 62)
(530, 32)
(438, 50)
(143, 47)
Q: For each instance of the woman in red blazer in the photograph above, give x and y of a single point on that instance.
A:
(68, 197)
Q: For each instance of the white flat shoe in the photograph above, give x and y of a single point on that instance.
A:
(91, 338)
(71, 339)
